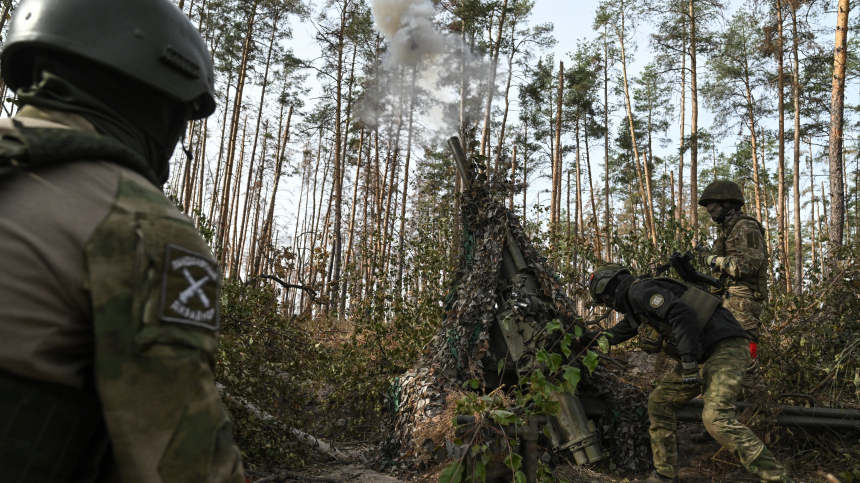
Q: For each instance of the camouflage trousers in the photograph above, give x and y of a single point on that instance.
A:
(722, 374)
(747, 311)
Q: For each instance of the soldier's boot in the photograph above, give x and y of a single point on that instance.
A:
(766, 467)
(658, 478)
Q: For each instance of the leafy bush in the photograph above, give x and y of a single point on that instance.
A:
(811, 342)
(269, 367)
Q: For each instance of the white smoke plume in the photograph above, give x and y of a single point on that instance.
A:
(408, 27)
(414, 42)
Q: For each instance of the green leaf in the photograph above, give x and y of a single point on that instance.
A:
(480, 471)
(577, 331)
(520, 477)
(501, 366)
(590, 361)
(475, 384)
(501, 416)
(565, 346)
(554, 361)
(453, 473)
(513, 461)
(603, 344)
(552, 326)
(542, 356)
(572, 375)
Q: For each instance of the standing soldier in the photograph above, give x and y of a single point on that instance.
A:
(712, 353)
(739, 256)
(108, 294)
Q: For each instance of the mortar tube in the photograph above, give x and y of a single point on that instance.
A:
(693, 413)
(519, 261)
(460, 161)
(814, 412)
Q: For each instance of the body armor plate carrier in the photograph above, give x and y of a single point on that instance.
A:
(656, 335)
(756, 282)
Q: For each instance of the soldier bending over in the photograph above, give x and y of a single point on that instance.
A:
(712, 352)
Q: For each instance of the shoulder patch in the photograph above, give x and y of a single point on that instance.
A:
(657, 300)
(189, 289)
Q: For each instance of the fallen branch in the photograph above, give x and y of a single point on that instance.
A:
(821, 296)
(615, 361)
(295, 476)
(284, 284)
(306, 439)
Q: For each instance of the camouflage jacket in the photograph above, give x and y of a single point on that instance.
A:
(105, 286)
(742, 257)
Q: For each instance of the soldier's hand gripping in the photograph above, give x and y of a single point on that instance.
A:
(702, 252)
(690, 373)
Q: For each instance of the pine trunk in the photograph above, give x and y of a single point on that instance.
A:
(798, 238)
(837, 106)
(628, 104)
(781, 204)
(694, 129)
(234, 125)
(558, 154)
(491, 84)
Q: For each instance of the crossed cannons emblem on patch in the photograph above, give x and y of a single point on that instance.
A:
(190, 286)
(194, 289)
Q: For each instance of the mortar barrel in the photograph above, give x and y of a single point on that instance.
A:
(791, 416)
(460, 161)
(813, 412)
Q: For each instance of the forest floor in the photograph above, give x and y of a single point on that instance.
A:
(700, 463)
(704, 462)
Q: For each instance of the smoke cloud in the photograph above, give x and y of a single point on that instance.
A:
(414, 42)
(408, 27)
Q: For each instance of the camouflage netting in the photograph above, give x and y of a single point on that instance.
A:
(624, 431)
(421, 402)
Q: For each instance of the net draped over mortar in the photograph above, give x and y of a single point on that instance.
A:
(454, 355)
(421, 401)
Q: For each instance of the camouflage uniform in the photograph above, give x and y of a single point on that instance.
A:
(722, 373)
(741, 264)
(719, 347)
(108, 294)
(109, 304)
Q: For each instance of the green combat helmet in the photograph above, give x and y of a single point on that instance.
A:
(722, 190)
(600, 279)
(150, 41)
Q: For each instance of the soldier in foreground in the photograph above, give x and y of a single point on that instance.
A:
(108, 294)
(712, 353)
(739, 255)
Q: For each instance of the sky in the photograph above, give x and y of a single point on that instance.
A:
(573, 22)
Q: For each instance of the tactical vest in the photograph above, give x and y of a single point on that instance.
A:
(52, 433)
(656, 334)
(725, 248)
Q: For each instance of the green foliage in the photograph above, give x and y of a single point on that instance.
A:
(535, 394)
(269, 367)
(811, 343)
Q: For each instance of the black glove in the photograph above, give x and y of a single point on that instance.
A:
(691, 373)
(701, 247)
(702, 252)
